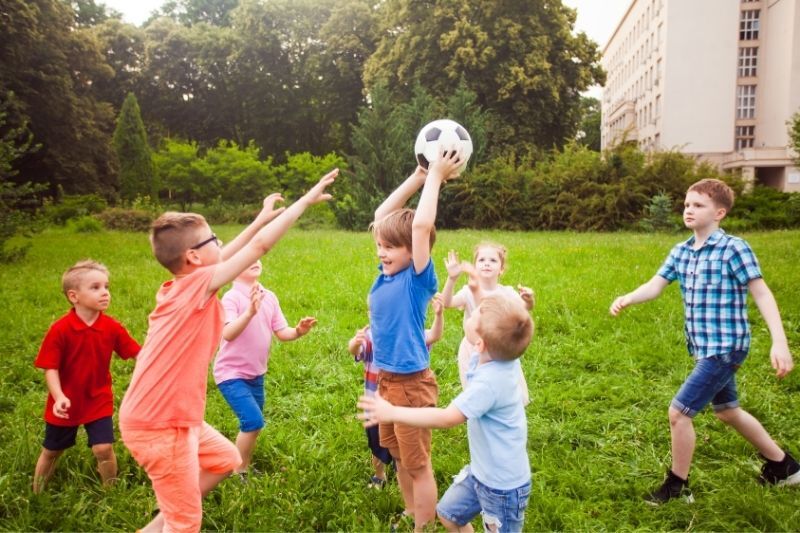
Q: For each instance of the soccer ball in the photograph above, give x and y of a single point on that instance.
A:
(443, 133)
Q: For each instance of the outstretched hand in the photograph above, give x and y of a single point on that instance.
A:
(618, 305)
(305, 325)
(268, 211)
(317, 194)
(526, 293)
(452, 264)
(446, 167)
(375, 410)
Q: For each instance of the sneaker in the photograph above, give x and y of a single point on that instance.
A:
(786, 472)
(672, 488)
(376, 483)
(404, 522)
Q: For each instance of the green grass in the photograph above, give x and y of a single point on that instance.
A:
(598, 431)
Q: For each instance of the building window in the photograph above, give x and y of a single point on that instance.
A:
(745, 135)
(748, 25)
(746, 101)
(748, 61)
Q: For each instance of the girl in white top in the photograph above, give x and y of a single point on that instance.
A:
(489, 261)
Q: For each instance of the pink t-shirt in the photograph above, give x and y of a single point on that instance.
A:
(168, 387)
(247, 356)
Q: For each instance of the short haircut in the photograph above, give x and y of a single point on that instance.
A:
(395, 228)
(719, 191)
(499, 248)
(172, 234)
(71, 280)
(505, 326)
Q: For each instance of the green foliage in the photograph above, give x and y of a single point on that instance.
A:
(764, 208)
(85, 224)
(124, 219)
(69, 207)
(175, 165)
(794, 135)
(589, 127)
(660, 215)
(136, 174)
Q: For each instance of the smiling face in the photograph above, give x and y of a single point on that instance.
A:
(92, 292)
(489, 263)
(393, 258)
(700, 213)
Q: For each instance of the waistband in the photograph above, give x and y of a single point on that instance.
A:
(396, 376)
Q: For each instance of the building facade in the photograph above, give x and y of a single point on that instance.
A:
(719, 79)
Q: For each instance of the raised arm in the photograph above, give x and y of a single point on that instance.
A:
(376, 410)
(267, 213)
(399, 197)
(646, 292)
(453, 266)
(435, 332)
(270, 234)
(235, 327)
(779, 353)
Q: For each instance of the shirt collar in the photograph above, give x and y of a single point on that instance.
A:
(244, 288)
(712, 239)
(78, 324)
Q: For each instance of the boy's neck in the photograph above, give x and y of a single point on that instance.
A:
(489, 284)
(88, 316)
(702, 234)
(483, 358)
(246, 282)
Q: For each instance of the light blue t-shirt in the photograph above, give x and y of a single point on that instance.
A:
(496, 425)
(397, 307)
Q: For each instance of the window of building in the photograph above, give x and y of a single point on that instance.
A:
(746, 101)
(745, 136)
(748, 25)
(658, 105)
(748, 61)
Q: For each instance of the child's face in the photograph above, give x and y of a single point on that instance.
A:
(488, 263)
(699, 211)
(393, 258)
(92, 293)
(252, 273)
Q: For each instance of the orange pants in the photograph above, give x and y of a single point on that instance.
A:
(173, 458)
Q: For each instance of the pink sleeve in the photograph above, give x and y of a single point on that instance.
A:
(278, 320)
(230, 304)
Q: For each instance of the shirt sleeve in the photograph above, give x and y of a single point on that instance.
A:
(427, 278)
(50, 351)
(743, 263)
(278, 320)
(668, 270)
(475, 400)
(126, 346)
(230, 305)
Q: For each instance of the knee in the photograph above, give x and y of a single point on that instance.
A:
(420, 472)
(51, 455)
(677, 419)
(728, 416)
(103, 452)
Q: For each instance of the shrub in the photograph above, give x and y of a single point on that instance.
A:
(117, 218)
(85, 224)
(73, 206)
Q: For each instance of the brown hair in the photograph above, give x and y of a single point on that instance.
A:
(71, 280)
(499, 248)
(719, 191)
(395, 228)
(171, 235)
(505, 326)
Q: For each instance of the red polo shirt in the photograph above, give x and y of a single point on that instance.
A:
(82, 356)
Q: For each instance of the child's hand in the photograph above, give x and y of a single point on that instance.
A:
(420, 173)
(446, 166)
(437, 304)
(256, 296)
(305, 325)
(781, 360)
(526, 293)
(61, 406)
(472, 281)
(268, 211)
(452, 265)
(619, 304)
(375, 409)
(317, 194)
(361, 336)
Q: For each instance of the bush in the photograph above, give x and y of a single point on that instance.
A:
(117, 218)
(765, 208)
(85, 224)
(73, 206)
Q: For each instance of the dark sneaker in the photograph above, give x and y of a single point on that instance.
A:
(376, 483)
(786, 472)
(672, 488)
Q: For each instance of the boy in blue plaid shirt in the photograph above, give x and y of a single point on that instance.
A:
(715, 271)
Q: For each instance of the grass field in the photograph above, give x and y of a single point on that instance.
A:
(600, 387)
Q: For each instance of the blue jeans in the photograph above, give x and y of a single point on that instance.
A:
(467, 497)
(713, 380)
(246, 398)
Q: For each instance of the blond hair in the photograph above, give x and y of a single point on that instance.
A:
(499, 248)
(395, 229)
(171, 235)
(505, 326)
(71, 279)
(719, 192)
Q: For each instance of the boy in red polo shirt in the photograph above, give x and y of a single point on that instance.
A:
(76, 356)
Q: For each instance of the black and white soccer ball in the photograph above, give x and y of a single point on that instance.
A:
(442, 133)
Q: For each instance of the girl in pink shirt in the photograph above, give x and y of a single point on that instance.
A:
(252, 316)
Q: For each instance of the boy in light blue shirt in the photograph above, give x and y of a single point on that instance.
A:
(497, 481)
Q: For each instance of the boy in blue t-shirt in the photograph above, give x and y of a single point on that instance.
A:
(497, 481)
(397, 302)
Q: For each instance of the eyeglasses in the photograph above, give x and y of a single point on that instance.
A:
(201, 244)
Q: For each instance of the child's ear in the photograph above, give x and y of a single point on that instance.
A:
(480, 346)
(720, 214)
(72, 296)
(192, 258)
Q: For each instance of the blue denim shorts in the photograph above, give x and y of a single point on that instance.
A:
(712, 380)
(246, 398)
(467, 497)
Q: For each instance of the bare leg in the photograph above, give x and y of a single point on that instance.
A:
(209, 480)
(156, 525)
(45, 466)
(106, 462)
(453, 527)
(406, 487)
(752, 430)
(380, 468)
(424, 496)
(683, 439)
(246, 443)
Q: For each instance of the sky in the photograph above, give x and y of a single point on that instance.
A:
(597, 18)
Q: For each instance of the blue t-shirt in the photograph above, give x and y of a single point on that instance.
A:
(397, 307)
(496, 425)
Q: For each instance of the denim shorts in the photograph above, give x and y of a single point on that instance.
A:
(467, 497)
(100, 431)
(246, 398)
(712, 380)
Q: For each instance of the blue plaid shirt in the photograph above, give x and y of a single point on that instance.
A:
(714, 287)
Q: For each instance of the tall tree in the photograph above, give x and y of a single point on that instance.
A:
(136, 174)
(589, 127)
(521, 59)
(794, 135)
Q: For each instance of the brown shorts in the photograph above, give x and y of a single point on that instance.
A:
(409, 445)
